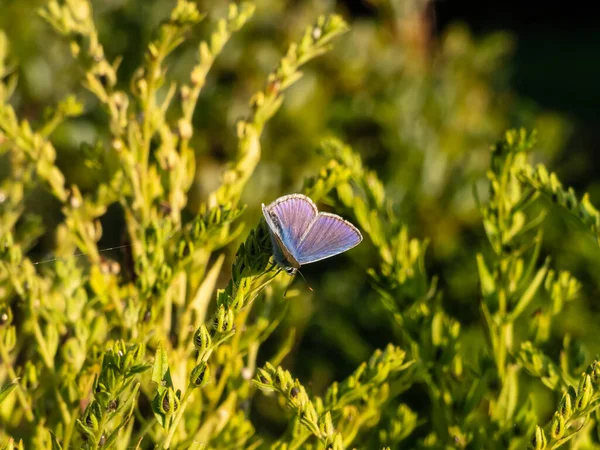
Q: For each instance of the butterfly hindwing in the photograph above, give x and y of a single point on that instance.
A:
(327, 235)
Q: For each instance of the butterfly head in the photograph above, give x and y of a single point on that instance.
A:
(291, 270)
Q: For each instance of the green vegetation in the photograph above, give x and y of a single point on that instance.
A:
(457, 323)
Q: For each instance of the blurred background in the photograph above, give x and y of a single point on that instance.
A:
(420, 89)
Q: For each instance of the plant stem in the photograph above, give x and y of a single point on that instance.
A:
(100, 431)
(173, 427)
(69, 429)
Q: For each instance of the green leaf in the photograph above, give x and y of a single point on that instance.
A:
(87, 432)
(437, 329)
(161, 374)
(488, 286)
(507, 402)
(55, 443)
(6, 390)
(160, 416)
(140, 368)
(529, 293)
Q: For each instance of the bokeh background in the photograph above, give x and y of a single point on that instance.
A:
(420, 89)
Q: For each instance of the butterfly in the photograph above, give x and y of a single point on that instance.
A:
(300, 234)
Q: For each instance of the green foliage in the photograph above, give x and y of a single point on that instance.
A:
(354, 403)
(170, 347)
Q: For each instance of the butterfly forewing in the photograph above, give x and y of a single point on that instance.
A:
(328, 235)
(289, 217)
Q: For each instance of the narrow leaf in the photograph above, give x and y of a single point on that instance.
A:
(55, 443)
(6, 390)
(161, 373)
(529, 293)
(488, 286)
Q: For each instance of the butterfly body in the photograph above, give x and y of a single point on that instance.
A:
(300, 234)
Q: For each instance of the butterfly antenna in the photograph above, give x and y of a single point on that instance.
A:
(307, 285)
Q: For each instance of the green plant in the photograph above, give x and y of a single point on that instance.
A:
(134, 352)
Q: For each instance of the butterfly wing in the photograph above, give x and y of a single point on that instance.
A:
(328, 235)
(288, 218)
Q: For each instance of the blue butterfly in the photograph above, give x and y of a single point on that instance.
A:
(302, 235)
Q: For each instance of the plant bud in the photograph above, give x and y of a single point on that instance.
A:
(273, 87)
(104, 267)
(165, 273)
(115, 267)
(197, 229)
(142, 86)
(539, 439)
(595, 372)
(317, 32)
(6, 315)
(257, 101)
(310, 413)
(185, 248)
(126, 362)
(9, 337)
(558, 426)
(337, 443)
(87, 434)
(109, 379)
(326, 424)
(112, 406)
(202, 339)
(280, 378)
(584, 393)
(117, 145)
(332, 393)
(294, 392)
(200, 375)
(30, 376)
(93, 415)
(138, 351)
(185, 129)
(264, 377)
(566, 406)
(224, 319)
(168, 401)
